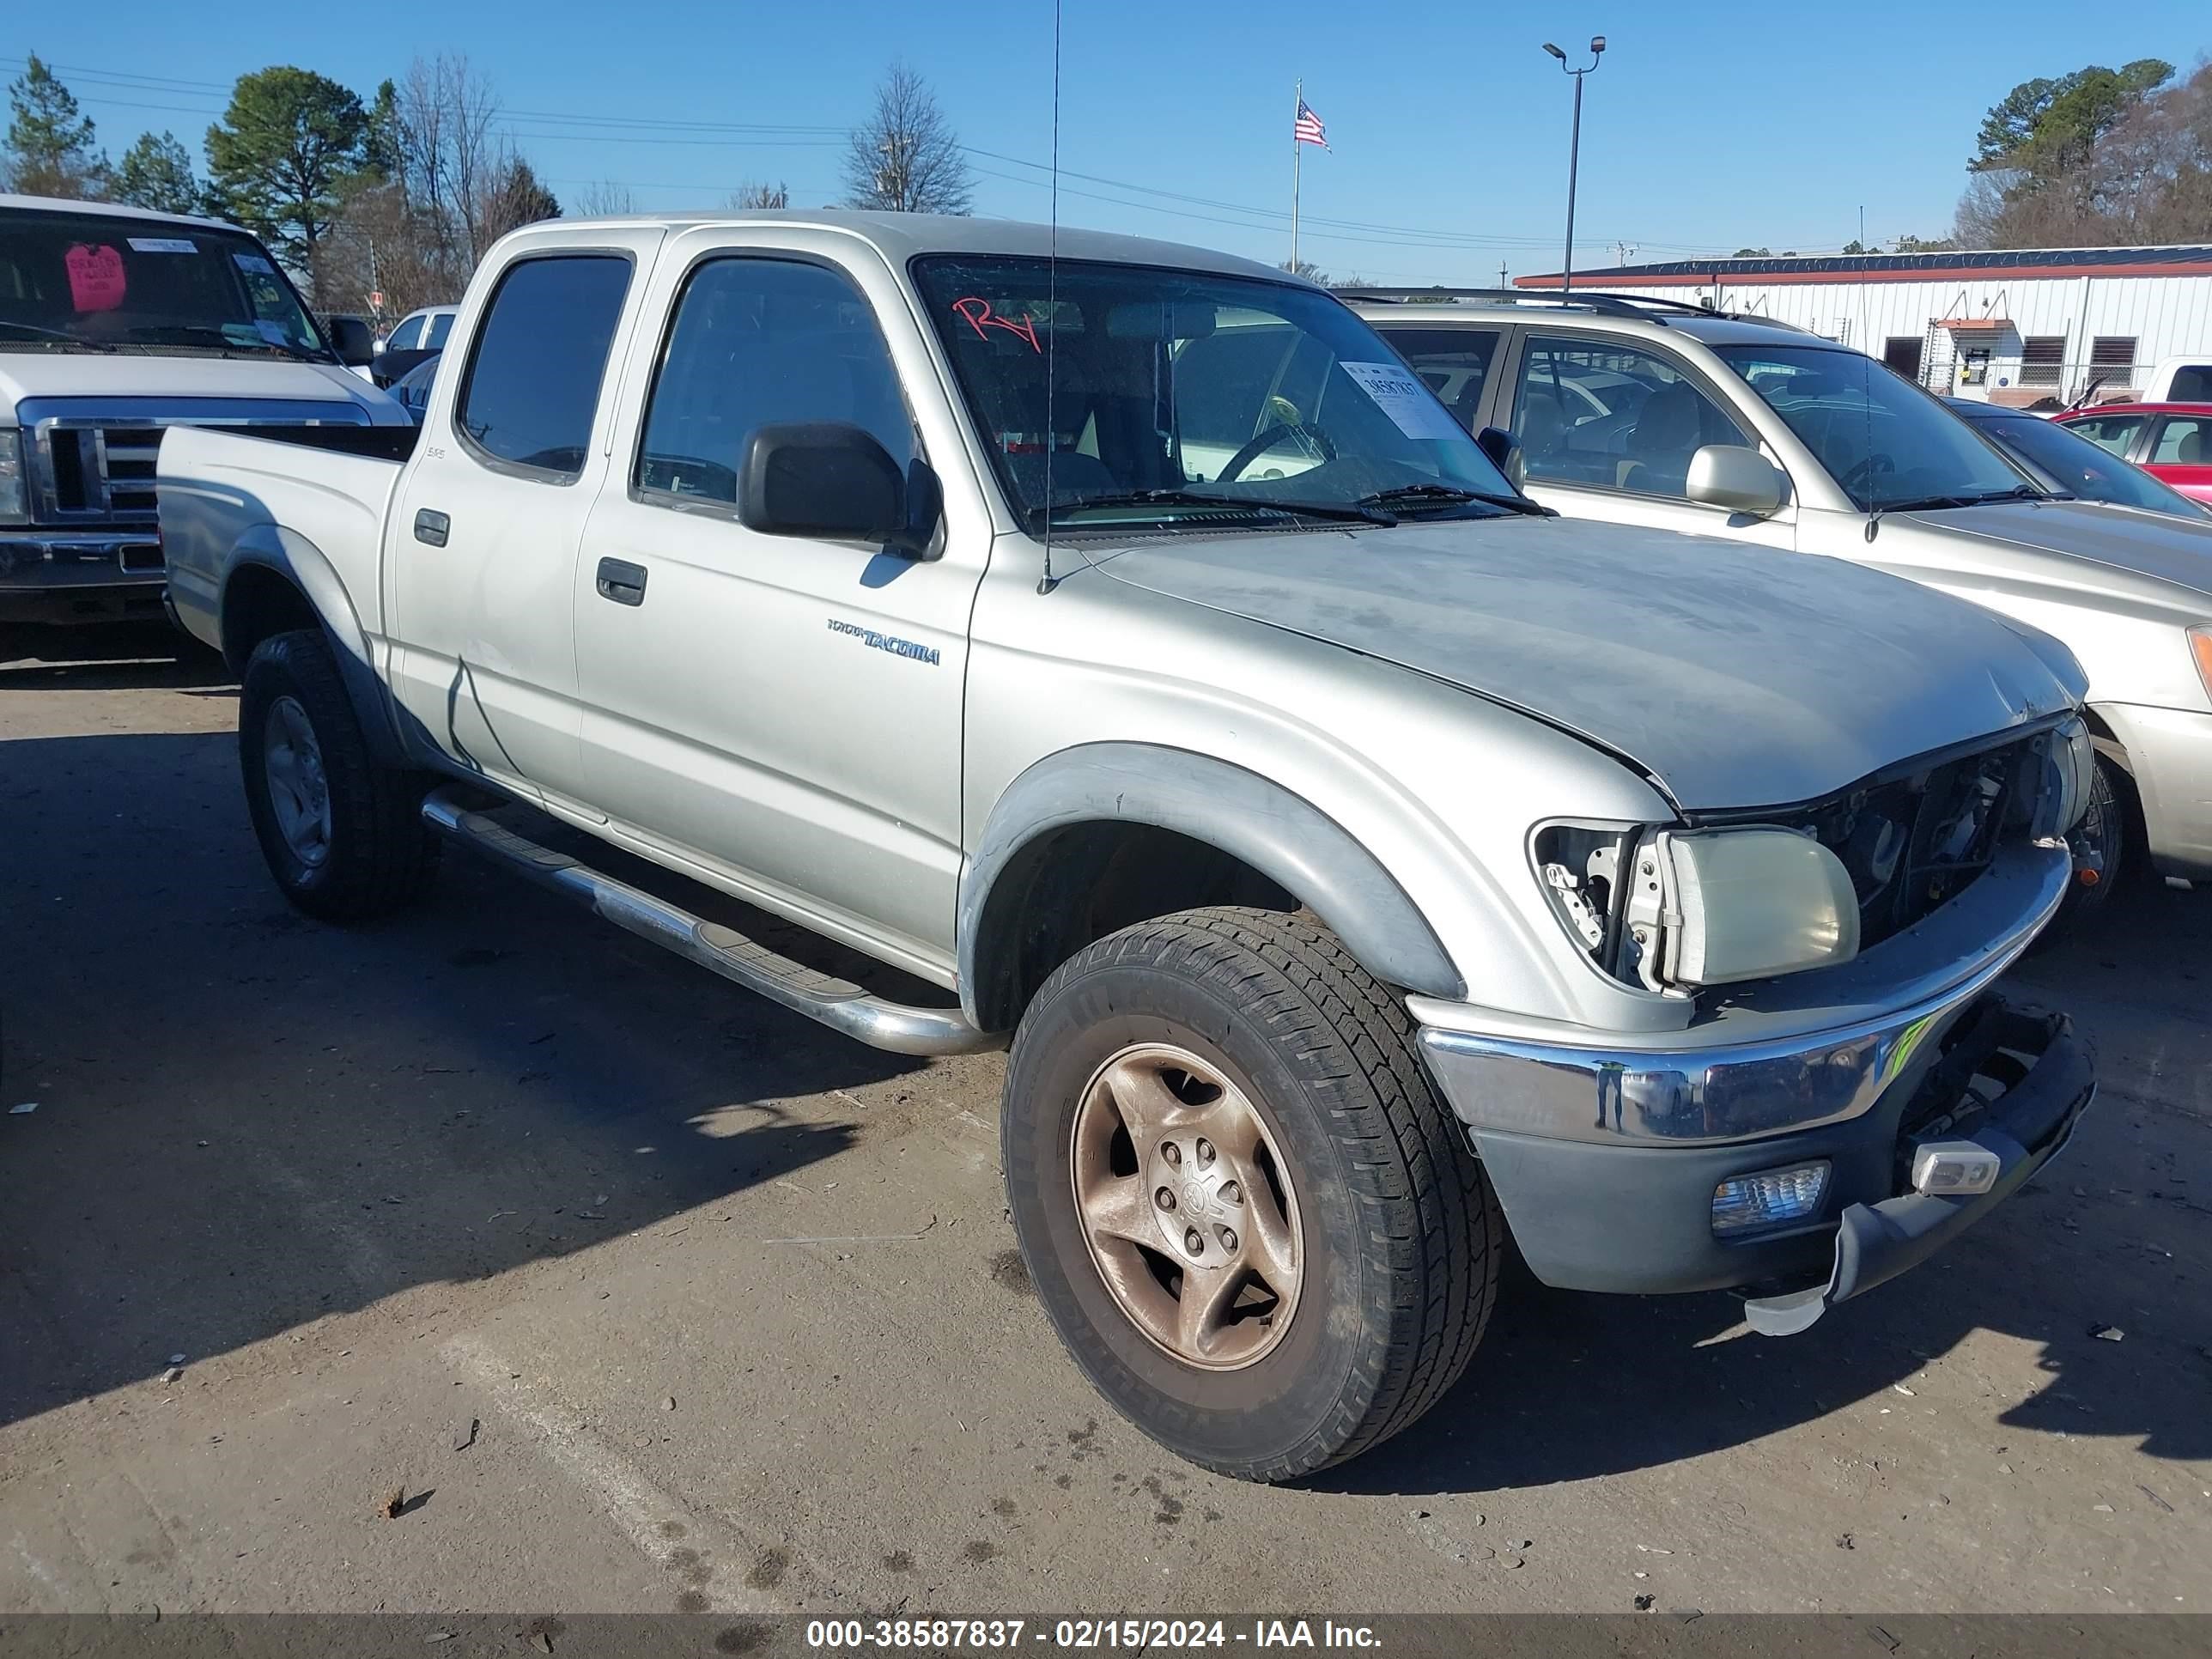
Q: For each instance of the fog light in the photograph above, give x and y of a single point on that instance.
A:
(1768, 1199)
(1954, 1169)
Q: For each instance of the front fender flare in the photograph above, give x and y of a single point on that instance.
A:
(1281, 834)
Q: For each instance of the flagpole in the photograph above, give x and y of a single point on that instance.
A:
(1298, 103)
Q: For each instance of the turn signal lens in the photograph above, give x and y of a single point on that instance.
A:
(1768, 1199)
(2200, 646)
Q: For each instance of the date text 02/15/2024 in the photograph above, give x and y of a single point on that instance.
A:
(1133, 1635)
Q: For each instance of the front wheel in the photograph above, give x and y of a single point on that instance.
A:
(2103, 844)
(1253, 1225)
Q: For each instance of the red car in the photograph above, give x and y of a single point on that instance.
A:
(2170, 442)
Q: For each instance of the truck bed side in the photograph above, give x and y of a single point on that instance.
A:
(307, 506)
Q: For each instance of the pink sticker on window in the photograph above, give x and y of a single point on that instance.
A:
(95, 276)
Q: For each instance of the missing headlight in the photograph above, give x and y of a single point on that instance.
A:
(1581, 865)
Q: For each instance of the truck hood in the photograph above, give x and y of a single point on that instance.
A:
(2085, 548)
(1734, 676)
(28, 374)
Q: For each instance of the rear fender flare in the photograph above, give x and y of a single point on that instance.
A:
(308, 569)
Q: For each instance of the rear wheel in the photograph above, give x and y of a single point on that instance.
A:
(1257, 1230)
(343, 834)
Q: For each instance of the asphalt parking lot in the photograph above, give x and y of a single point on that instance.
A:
(649, 1296)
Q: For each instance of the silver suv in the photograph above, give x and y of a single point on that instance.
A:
(1651, 412)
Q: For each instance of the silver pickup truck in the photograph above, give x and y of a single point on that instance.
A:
(1363, 862)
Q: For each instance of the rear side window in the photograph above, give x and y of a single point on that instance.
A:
(440, 326)
(2191, 385)
(533, 380)
(1455, 362)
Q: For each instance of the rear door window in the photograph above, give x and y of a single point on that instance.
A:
(440, 326)
(1455, 362)
(533, 387)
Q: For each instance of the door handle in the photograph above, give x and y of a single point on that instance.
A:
(621, 582)
(431, 527)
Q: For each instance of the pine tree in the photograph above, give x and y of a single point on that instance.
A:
(51, 151)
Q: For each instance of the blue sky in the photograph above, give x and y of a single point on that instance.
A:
(1448, 129)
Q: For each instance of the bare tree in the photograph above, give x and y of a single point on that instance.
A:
(906, 157)
(749, 195)
(451, 150)
(605, 200)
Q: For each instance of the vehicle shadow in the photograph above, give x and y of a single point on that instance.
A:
(108, 657)
(2113, 1235)
(247, 1120)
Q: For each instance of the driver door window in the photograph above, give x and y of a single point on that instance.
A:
(1606, 415)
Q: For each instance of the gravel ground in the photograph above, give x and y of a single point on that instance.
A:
(651, 1297)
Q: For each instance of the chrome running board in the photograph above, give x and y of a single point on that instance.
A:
(839, 1004)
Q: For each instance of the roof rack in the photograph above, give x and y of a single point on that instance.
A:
(1609, 304)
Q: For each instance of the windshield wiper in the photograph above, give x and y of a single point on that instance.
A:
(1934, 503)
(1930, 503)
(62, 334)
(200, 334)
(1355, 511)
(1450, 495)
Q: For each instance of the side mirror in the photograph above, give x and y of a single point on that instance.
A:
(832, 482)
(1506, 454)
(1742, 480)
(351, 339)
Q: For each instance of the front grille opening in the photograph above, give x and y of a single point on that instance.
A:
(1912, 843)
(70, 493)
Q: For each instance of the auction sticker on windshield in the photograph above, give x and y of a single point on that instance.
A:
(1399, 393)
(163, 245)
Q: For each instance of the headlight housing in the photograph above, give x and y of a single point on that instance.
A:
(14, 485)
(1718, 907)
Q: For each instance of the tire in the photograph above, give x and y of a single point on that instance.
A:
(2108, 826)
(1396, 1239)
(372, 853)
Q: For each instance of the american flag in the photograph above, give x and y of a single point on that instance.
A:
(1307, 129)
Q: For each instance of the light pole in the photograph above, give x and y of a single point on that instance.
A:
(1575, 150)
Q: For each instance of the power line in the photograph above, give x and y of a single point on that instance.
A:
(545, 126)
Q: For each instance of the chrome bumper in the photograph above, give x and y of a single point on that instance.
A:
(39, 561)
(1753, 1071)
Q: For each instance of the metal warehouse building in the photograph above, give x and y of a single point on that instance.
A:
(2013, 327)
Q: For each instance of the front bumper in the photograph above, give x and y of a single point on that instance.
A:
(65, 576)
(1605, 1160)
(2170, 758)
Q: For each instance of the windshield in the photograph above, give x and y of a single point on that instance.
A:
(1885, 442)
(1178, 397)
(2083, 468)
(88, 281)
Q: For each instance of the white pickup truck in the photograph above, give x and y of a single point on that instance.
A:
(116, 323)
(1362, 861)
